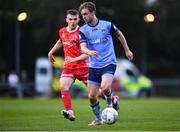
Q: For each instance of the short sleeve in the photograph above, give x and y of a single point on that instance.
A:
(82, 37)
(114, 30)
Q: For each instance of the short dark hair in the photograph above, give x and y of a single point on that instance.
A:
(88, 5)
(72, 12)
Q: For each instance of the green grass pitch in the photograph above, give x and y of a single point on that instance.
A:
(135, 115)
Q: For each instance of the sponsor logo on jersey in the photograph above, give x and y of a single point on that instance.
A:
(69, 44)
(95, 41)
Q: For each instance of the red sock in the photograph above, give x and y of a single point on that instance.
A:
(66, 99)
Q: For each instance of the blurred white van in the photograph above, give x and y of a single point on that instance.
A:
(43, 76)
(133, 82)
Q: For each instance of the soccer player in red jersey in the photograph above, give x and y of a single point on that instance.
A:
(75, 64)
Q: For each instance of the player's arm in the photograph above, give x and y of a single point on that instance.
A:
(55, 48)
(83, 45)
(85, 50)
(123, 41)
(81, 57)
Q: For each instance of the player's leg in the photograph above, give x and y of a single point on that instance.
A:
(65, 84)
(93, 91)
(115, 99)
(107, 78)
(106, 88)
(101, 94)
(94, 81)
(82, 74)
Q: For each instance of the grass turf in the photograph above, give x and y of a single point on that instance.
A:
(135, 115)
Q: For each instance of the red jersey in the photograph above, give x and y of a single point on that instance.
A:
(70, 41)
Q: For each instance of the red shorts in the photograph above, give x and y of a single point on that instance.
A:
(81, 74)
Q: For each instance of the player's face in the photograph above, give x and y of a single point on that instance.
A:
(72, 21)
(87, 15)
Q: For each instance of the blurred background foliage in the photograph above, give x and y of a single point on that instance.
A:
(155, 45)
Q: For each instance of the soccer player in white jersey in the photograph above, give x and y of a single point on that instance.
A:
(96, 41)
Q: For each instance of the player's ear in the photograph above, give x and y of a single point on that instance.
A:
(78, 19)
(94, 12)
(66, 19)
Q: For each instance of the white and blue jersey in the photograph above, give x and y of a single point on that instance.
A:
(99, 38)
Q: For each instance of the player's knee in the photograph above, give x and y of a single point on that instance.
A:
(105, 86)
(92, 97)
(64, 88)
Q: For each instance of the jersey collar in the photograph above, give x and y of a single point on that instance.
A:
(70, 31)
(94, 25)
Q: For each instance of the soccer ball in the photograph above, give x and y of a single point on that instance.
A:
(109, 115)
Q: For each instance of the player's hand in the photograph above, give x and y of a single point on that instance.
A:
(51, 58)
(93, 53)
(129, 55)
(69, 60)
